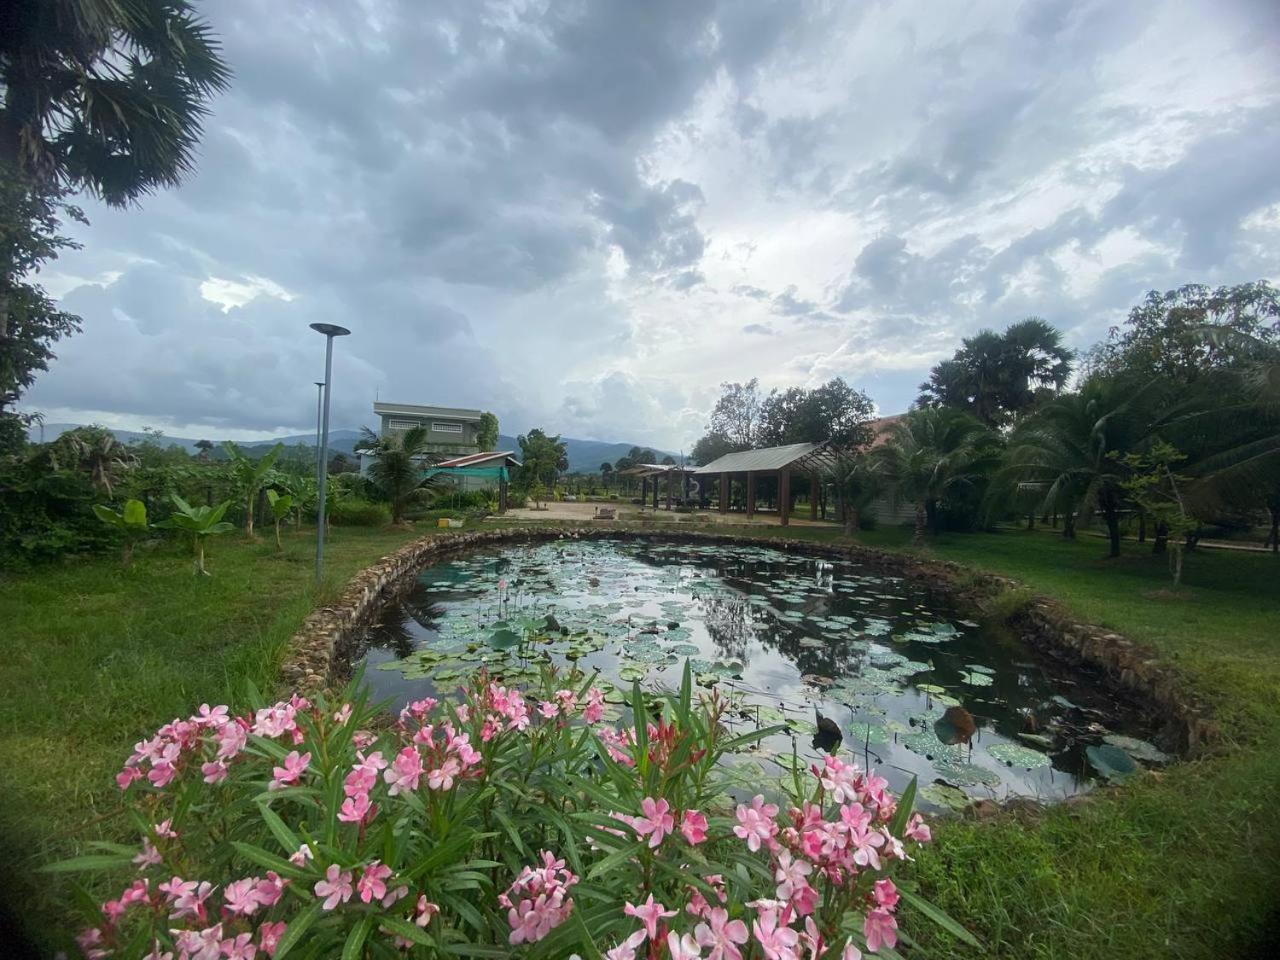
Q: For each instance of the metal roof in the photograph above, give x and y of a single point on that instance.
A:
(648, 469)
(764, 459)
(413, 410)
(471, 459)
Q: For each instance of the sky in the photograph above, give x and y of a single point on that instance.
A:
(586, 216)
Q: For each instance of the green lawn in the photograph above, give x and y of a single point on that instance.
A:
(1185, 866)
(95, 656)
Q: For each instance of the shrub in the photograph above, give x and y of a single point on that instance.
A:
(1008, 604)
(498, 825)
(359, 513)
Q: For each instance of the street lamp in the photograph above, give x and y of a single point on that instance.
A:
(330, 330)
(319, 407)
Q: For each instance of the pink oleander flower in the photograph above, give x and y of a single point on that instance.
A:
(241, 897)
(537, 900)
(424, 911)
(215, 771)
(187, 897)
(363, 738)
(90, 943)
(657, 821)
(650, 914)
(682, 947)
(593, 712)
(917, 829)
(343, 714)
(335, 888)
(850, 952)
(626, 950)
(149, 856)
(295, 765)
(270, 889)
(756, 824)
(442, 777)
(126, 776)
(880, 929)
(548, 709)
(138, 892)
(156, 953)
(208, 716)
(300, 856)
(373, 881)
(722, 935)
(269, 935)
(694, 827)
(886, 894)
(790, 874)
(231, 739)
(404, 772)
(275, 721)
(777, 942)
(165, 829)
(239, 947)
(355, 809)
(199, 944)
(568, 701)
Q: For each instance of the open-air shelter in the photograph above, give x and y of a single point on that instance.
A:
(652, 474)
(782, 463)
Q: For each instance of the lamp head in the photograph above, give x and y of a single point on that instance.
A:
(330, 329)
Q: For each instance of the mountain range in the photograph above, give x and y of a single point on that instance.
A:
(585, 456)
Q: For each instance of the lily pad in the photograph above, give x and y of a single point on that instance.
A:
(1012, 755)
(945, 795)
(976, 679)
(967, 774)
(1138, 749)
(1111, 762)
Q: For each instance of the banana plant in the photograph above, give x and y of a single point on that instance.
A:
(248, 475)
(131, 521)
(280, 505)
(199, 523)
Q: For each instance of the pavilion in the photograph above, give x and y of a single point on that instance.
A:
(651, 474)
(778, 462)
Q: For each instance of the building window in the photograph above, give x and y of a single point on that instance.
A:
(402, 424)
(439, 427)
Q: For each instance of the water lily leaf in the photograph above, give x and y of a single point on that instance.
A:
(945, 795)
(504, 639)
(1110, 761)
(685, 649)
(1138, 749)
(866, 732)
(1012, 755)
(976, 679)
(967, 774)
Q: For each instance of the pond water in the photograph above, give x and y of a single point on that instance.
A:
(913, 689)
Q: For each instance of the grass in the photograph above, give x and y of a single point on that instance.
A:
(95, 656)
(1185, 865)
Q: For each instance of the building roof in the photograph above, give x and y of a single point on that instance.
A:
(413, 410)
(648, 469)
(882, 429)
(764, 459)
(475, 459)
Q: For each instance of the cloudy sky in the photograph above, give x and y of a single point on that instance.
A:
(587, 215)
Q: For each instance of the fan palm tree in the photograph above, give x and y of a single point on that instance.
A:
(931, 452)
(105, 95)
(398, 468)
(1070, 453)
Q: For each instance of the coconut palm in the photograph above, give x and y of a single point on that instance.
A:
(105, 95)
(932, 452)
(399, 466)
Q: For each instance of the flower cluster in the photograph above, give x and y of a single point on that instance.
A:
(538, 901)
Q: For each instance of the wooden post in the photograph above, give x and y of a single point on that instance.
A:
(784, 495)
(813, 495)
(669, 478)
(724, 493)
(644, 491)
(502, 493)
(655, 491)
(751, 494)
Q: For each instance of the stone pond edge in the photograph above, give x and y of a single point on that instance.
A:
(317, 654)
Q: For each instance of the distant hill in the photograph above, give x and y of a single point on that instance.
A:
(585, 456)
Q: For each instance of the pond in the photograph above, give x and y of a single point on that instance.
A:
(912, 688)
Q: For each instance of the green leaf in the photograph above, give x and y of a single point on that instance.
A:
(85, 864)
(298, 928)
(616, 859)
(287, 838)
(410, 931)
(906, 803)
(940, 918)
(355, 939)
(269, 860)
(135, 513)
(107, 515)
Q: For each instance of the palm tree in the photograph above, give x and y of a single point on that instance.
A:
(857, 479)
(104, 95)
(398, 468)
(96, 451)
(1070, 453)
(931, 452)
(606, 471)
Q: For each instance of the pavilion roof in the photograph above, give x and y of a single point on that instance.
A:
(808, 456)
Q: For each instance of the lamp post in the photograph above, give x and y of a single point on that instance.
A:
(319, 408)
(330, 330)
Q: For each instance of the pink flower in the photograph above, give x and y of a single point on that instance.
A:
(538, 901)
(850, 952)
(269, 890)
(694, 827)
(682, 948)
(355, 809)
(239, 948)
(424, 912)
(269, 935)
(657, 821)
(126, 776)
(373, 881)
(343, 714)
(90, 942)
(886, 894)
(335, 888)
(231, 739)
(917, 829)
(722, 935)
(880, 929)
(187, 897)
(756, 823)
(399, 893)
(626, 950)
(790, 874)
(295, 765)
(215, 771)
(149, 857)
(649, 914)
(593, 712)
(442, 777)
(207, 717)
(165, 829)
(199, 944)
(241, 896)
(548, 709)
(404, 772)
(777, 942)
(301, 855)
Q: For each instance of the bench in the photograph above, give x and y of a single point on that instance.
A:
(606, 513)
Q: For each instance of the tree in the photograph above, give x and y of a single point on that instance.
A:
(711, 446)
(130, 520)
(205, 447)
(833, 413)
(248, 476)
(857, 480)
(543, 457)
(1158, 490)
(96, 451)
(399, 466)
(199, 523)
(1182, 335)
(736, 416)
(999, 377)
(105, 96)
(606, 471)
(280, 507)
(487, 432)
(931, 452)
(30, 322)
